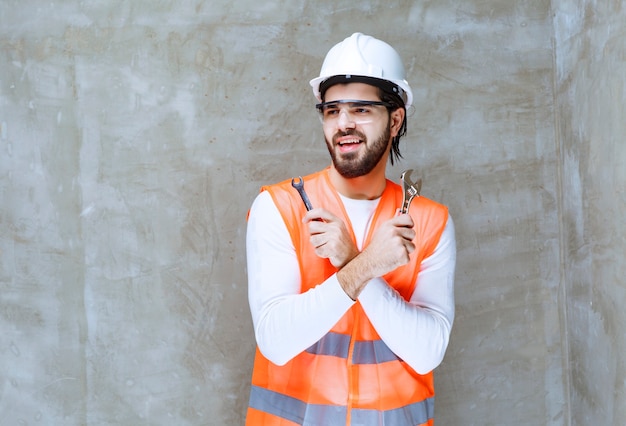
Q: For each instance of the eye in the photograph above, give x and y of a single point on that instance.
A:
(360, 109)
(330, 111)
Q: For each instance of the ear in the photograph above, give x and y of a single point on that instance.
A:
(396, 118)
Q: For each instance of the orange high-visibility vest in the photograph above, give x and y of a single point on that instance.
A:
(349, 376)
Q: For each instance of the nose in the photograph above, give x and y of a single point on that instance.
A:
(345, 121)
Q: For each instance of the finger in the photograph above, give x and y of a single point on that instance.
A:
(319, 214)
(317, 240)
(311, 216)
(403, 221)
(407, 233)
(317, 226)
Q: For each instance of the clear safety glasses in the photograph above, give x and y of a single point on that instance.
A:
(354, 111)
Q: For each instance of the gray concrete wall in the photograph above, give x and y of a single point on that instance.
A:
(591, 125)
(134, 136)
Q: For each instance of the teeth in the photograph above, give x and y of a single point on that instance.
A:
(349, 142)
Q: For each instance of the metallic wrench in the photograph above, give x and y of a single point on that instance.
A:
(411, 189)
(300, 187)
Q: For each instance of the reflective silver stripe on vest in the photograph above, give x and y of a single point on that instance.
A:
(372, 352)
(412, 414)
(304, 414)
(334, 344)
(365, 351)
(295, 410)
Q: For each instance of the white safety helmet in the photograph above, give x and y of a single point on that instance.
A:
(364, 56)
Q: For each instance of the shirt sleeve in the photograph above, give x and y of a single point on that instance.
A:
(417, 331)
(286, 322)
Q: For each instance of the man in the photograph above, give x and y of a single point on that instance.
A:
(352, 302)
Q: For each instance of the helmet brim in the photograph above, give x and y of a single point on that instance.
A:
(401, 89)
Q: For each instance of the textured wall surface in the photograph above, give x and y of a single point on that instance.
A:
(134, 136)
(591, 100)
(483, 134)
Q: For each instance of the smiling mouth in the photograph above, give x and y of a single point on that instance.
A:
(349, 142)
(349, 146)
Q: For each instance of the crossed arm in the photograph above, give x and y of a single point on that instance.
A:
(286, 322)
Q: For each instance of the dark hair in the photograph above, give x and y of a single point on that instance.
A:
(387, 92)
(396, 103)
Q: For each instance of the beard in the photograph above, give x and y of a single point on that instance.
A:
(355, 164)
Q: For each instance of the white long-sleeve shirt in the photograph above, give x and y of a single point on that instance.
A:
(286, 321)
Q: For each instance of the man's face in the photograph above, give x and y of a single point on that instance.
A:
(357, 140)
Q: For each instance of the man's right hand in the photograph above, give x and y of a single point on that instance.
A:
(330, 237)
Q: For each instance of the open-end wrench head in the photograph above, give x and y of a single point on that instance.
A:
(299, 185)
(406, 175)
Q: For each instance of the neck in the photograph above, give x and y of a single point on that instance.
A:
(368, 187)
